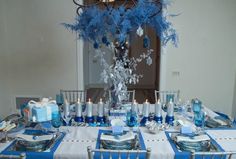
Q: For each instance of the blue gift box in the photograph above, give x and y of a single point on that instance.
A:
(40, 113)
(51, 109)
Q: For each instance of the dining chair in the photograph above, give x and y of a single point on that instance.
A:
(165, 96)
(127, 153)
(130, 95)
(72, 95)
(21, 156)
(212, 155)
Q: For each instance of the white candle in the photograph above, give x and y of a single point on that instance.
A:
(158, 109)
(100, 108)
(89, 108)
(66, 108)
(146, 106)
(170, 108)
(78, 108)
(134, 107)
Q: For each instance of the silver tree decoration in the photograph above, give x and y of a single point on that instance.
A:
(122, 72)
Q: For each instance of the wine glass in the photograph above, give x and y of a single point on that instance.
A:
(56, 120)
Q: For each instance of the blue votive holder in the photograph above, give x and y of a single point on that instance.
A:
(101, 120)
(158, 119)
(79, 119)
(144, 120)
(170, 120)
(89, 120)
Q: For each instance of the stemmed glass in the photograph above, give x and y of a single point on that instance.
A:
(67, 119)
(140, 113)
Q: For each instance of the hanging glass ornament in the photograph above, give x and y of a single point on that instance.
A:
(95, 45)
(104, 39)
(146, 42)
(139, 31)
(149, 60)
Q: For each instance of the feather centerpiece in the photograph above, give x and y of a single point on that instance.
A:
(94, 22)
(111, 27)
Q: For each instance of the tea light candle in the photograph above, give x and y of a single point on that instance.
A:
(158, 110)
(134, 107)
(78, 108)
(66, 108)
(89, 108)
(146, 106)
(100, 108)
(170, 109)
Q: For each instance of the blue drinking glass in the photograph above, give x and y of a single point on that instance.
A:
(56, 120)
(196, 105)
(132, 119)
(59, 99)
(199, 119)
(169, 97)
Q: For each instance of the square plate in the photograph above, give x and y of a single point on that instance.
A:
(15, 149)
(136, 144)
(139, 142)
(179, 154)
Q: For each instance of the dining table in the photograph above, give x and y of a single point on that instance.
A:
(78, 138)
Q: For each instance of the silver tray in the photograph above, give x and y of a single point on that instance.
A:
(40, 146)
(126, 145)
(206, 146)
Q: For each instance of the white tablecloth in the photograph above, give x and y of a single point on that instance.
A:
(225, 138)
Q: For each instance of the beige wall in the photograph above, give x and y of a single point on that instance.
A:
(3, 62)
(234, 100)
(205, 58)
(38, 55)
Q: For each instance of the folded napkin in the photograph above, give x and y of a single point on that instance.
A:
(7, 126)
(221, 122)
(3, 124)
(33, 138)
(118, 138)
(214, 116)
(197, 138)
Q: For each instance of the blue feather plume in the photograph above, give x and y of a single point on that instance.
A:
(93, 23)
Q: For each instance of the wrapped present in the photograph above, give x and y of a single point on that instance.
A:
(40, 111)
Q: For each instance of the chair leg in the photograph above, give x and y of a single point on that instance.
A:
(90, 153)
(22, 156)
(192, 155)
(148, 155)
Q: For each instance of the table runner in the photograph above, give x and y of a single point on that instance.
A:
(75, 143)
